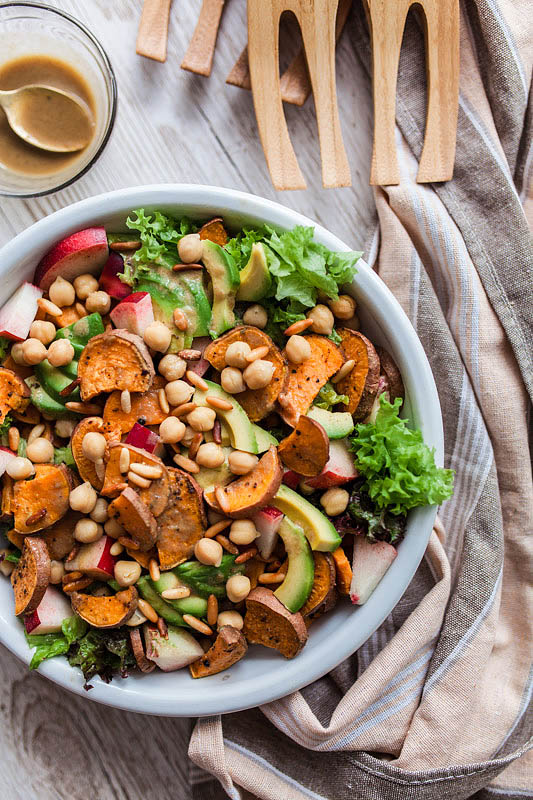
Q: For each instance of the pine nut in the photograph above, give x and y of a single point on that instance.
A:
(35, 433)
(344, 371)
(186, 463)
(150, 471)
(133, 245)
(137, 480)
(298, 327)
(13, 438)
(163, 402)
(257, 352)
(218, 402)
(185, 408)
(48, 307)
(271, 577)
(196, 380)
(246, 556)
(125, 401)
(128, 543)
(222, 500)
(89, 409)
(146, 609)
(153, 569)
(99, 468)
(178, 593)
(116, 549)
(190, 355)
(80, 309)
(181, 267)
(226, 544)
(197, 624)
(217, 528)
(124, 461)
(77, 586)
(212, 610)
(194, 446)
(75, 575)
(180, 320)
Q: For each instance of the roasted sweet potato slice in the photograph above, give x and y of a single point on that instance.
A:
(253, 568)
(391, 372)
(248, 494)
(306, 449)
(307, 379)
(14, 394)
(59, 539)
(114, 361)
(183, 521)
(268, 622)
(19, 369)
(323, 594)
(86, 468)
(144, 664)
(142, 558)
(361, 384)
(144, 407)
(110, 611)
(8, 486)
(40, 502)
(31, 576)
(256, 402)
(215, 231)
(343, 570)
(229, 647)
(69, 315)
(130, 511)
(155, 497)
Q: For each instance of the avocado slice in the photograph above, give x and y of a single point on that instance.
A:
(255, 277)
(42, 400)
(54, 380)
(152, 596)
(240, 428)
(225, 279)
(220, 476)
(264, 439)
(337, 424)
(296, 587)
(79, 333)
(320, 532)
(197, 606)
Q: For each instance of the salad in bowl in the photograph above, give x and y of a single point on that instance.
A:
(201, 450)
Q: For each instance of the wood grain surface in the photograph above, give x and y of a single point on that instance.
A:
(172, 126)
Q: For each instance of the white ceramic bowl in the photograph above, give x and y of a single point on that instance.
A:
(263, 675)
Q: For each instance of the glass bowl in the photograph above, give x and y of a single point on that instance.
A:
(28, 28)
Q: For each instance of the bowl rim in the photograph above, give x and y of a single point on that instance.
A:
(219, 694)
(113, 88)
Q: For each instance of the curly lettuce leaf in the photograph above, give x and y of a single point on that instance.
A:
(328, 397)
(5, 344)
(4, 430)
(63, 455)
(49, 645)
(159, 235)
(399, 468)
(104, 653)
(377, 524)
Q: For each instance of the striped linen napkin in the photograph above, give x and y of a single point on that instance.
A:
(437, 704)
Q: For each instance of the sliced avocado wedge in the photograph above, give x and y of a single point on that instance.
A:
(149, 593)
(337, 424)
(296, 587)
(219, 476)
(240, 428)
(42, 400)
(263, 438)
(320, 532)
(53, 380)
(79, 333)
(225, 279)
(255, 277)
(197, 606)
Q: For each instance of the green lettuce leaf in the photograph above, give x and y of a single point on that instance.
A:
(4, 347)
(63, 455)
(4, 430)
(49, 645)
(159, 235)
(104, 653)
(398, 467)
(328, 397)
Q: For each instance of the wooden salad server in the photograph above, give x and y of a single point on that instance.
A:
(317, 23)
(441, 22)
(153, 29)
(199, 55)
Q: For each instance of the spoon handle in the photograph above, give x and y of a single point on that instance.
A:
(153, 29)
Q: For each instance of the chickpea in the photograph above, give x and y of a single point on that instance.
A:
(190, 248)
(94, 445)
(85, 285)
(99, 512)
(61, 292)
(202, 419)
(188, 436)
(322, 319)
(243, 531)
(178, 392)
(83, 498)
(210, 455)
(87, 530)
(17, 353)
(19, 468)
(258, 374)
(231, 618)
(44, 331)
(64, 428)
(33, 351)
(40, 451)
(232, 381)
(171, 430)
(238, 588)
(172, 367)
(113, 528)
(127, 573)
(335, 501)
(57, 570)
(98, 301)
(207, 551)
(353, 323)
(157, 336)
(255, 315)
(298, 349)
(241, 463)
(343, 307)
(60, 353)
(236, 354)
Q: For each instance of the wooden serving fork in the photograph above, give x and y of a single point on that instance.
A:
(153, 29)
(441, 23)
(317, 23)
(199, 55)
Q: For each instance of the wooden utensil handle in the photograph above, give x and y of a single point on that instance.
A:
(153, 29)
(199, 55)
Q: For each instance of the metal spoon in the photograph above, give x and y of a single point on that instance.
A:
(48, 118)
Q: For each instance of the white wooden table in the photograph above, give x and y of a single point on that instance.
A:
(171, 126)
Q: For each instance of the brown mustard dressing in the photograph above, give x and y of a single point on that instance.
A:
(15, 154)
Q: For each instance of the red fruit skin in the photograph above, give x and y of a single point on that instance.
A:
(142, 437)
(95, 559)
(291, 479)
(134, 313)
(81, 252)
(31, 621)
(49, 614)
(109, 281)
(17, 314)
(327, 479)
